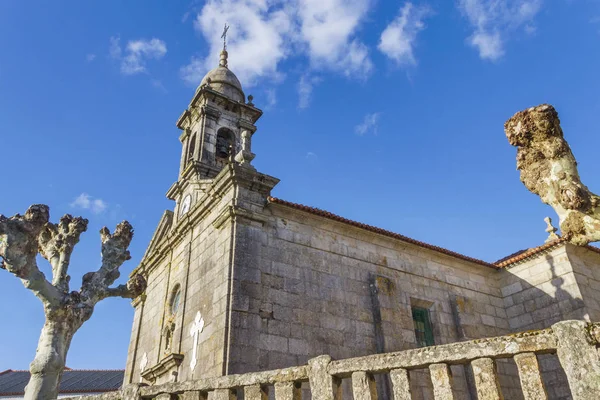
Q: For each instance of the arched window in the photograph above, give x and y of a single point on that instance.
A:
(175, 300)
(191, 147)
(224, 143)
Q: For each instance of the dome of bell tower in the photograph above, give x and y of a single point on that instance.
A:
(222, 80)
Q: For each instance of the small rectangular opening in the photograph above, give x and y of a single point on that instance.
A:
(423, 329)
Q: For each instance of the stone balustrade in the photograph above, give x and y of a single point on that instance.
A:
(575, 343)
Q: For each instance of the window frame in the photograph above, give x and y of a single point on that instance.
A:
(422, 315)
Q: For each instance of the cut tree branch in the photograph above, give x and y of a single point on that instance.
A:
(549, 169)
(56, 244)
(134, 287)
(96, 285)
(19, 247)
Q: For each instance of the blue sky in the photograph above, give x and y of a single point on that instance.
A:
(387, 112)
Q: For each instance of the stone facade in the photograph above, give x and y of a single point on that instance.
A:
(239, 281)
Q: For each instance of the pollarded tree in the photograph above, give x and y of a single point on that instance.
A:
(549, 169)
(22, 237)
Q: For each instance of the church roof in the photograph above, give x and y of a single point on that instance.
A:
(504, 262)
(12, 383)
(380, 231)
(525, 254)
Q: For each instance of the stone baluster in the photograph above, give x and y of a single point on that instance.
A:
(440, 378)
(486, 379)
(530, 377)
(194, 395)
(255, 392)
(400, 384)
(363, 386)
(222, 394)
(287, 391)
(164, 396)
(579, 358)
(323, 386)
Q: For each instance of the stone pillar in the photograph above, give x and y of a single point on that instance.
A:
(131, 392)
(363, 386)
(255, 392)
(578, 356)
(440, 378)
(400, 384)
(531, 379)
(287, 391)
(222, 394)
(486, 379)
(322, 385)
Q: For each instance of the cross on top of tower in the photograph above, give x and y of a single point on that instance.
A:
(224, 36)
(223, 57)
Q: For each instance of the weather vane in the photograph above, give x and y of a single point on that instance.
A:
(224, 36)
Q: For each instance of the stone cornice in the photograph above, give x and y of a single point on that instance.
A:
(205, 91)
(180, 121)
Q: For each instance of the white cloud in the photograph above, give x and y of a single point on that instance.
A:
(329, 28)
(398, 38)
(257, 38)
(264, 33)
(87, 202)
(370, 124)
(137, 53)
(271, 98)
(493, 20)
(114, 49)
(305, 89)
(90, 57)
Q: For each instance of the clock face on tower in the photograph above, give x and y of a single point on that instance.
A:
(185, 206)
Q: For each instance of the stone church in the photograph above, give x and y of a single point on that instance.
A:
(240, 281)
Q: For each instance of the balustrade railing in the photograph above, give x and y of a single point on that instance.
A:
(575, 343)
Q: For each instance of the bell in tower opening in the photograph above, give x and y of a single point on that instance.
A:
(224, 143)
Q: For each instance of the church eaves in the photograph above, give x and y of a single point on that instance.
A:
(370, 228)
(504, 262)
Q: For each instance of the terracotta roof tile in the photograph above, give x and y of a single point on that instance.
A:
(327, 214)
(525, 254)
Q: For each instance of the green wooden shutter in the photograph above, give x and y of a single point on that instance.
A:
(423, 331)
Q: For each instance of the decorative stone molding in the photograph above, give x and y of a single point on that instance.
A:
(138, 300)
(243, 124)
(210, 111)
(173, 360)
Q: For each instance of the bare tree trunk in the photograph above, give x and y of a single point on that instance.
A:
(49, 362)
(22, 237)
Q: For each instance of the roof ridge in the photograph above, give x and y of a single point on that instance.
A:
(381, 231)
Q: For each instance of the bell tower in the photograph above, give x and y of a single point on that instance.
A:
(217, 129)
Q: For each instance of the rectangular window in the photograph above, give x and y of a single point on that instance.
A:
(423, 330)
